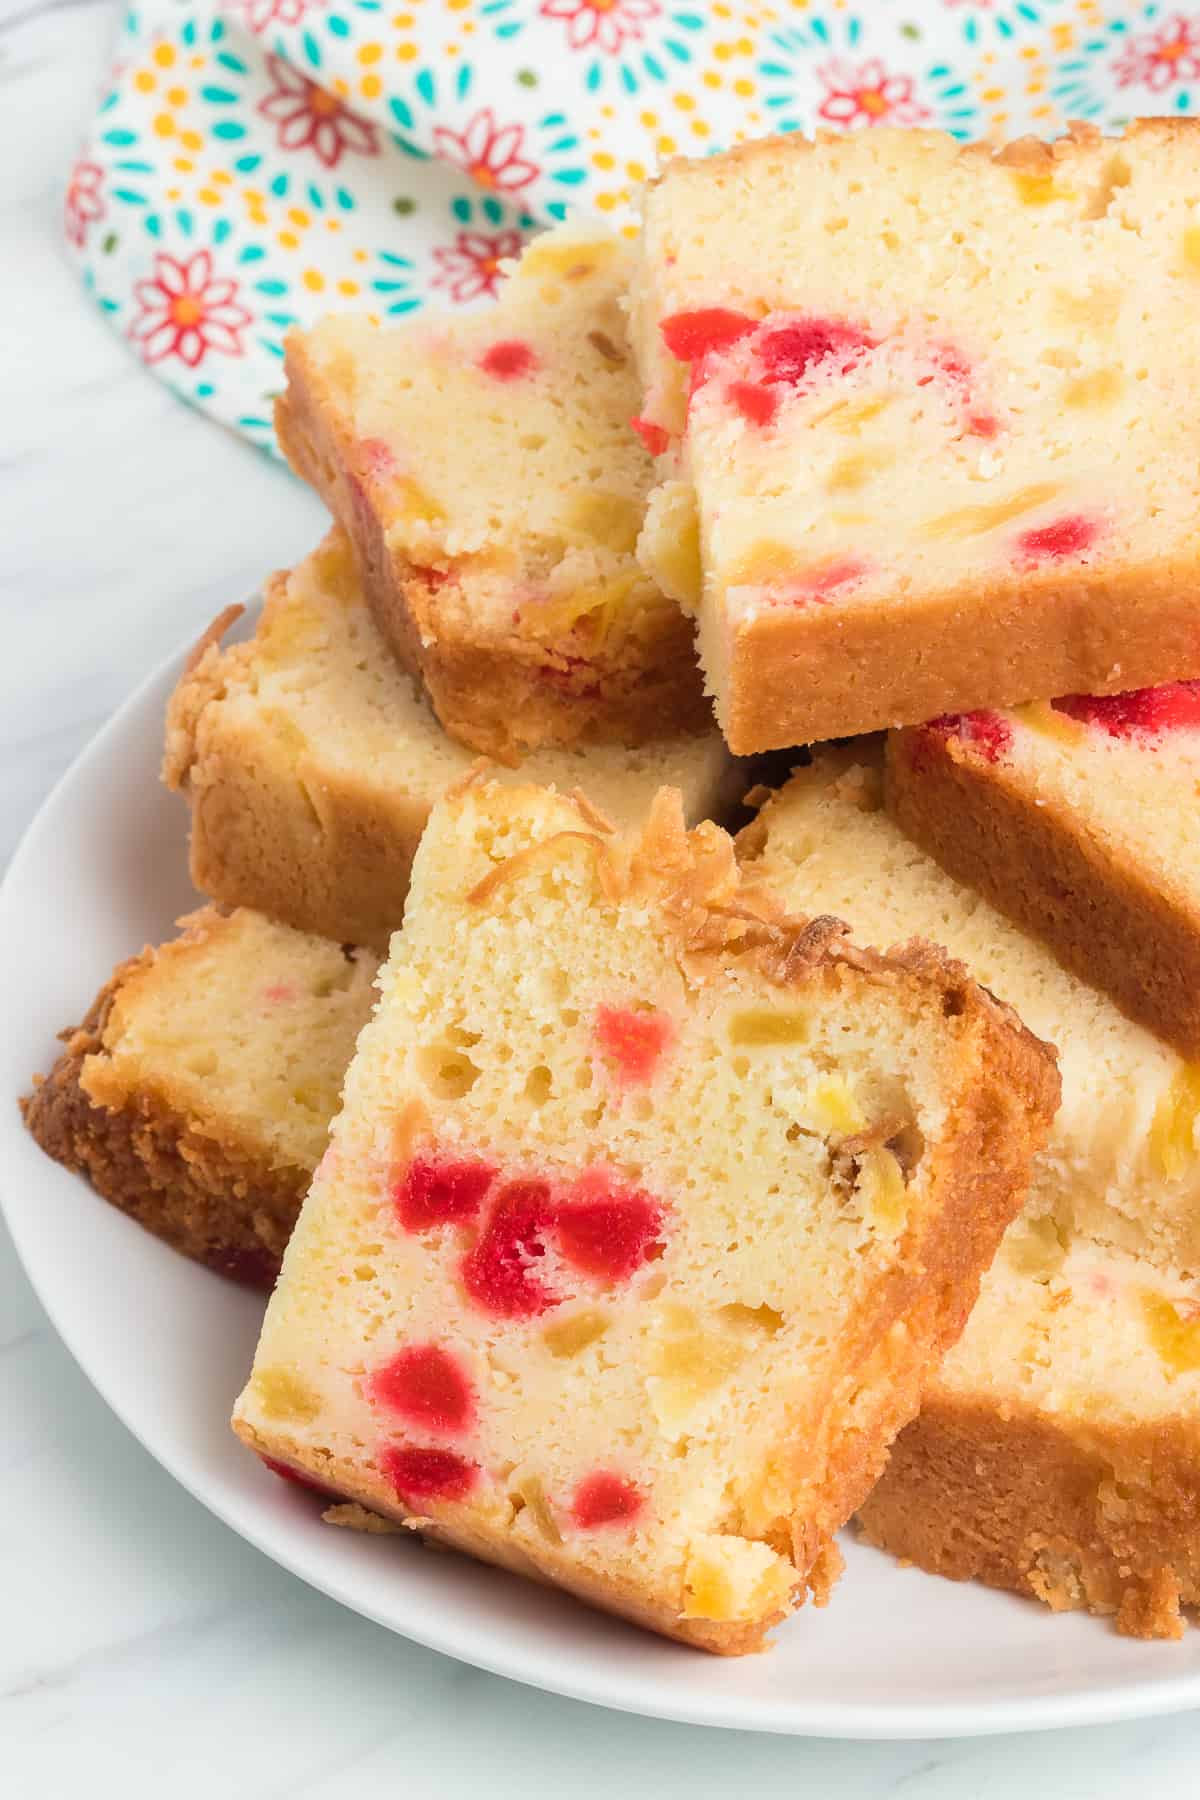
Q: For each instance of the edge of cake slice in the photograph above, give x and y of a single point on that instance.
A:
(196, 1094)
(903, 502)
(487, 472)
(648, 1212)
(1057, 1452)
(311, 760)
(1079, 819)
(1056, 1449)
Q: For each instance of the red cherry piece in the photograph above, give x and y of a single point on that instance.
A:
(1065, 537)
(986, 732)
(822, 582)
(440, 1193)
(499, 1273)
(756, 403)
(983, 425)
(605, 1229)
(653, 436)
(376, 457)
(605, 1499)
(788, 352)
(418, 1474)
(427, 1386)
(1142, 711)
(433, 578)
(508, 360)
(287, 1473)
(689, 336)
(634, 1040)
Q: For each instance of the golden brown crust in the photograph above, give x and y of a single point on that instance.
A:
(1038, 864)
(497, 694)
(1009, 1497)
(462, 1528)
(801, 675)
(217, 1200)
(309, 845)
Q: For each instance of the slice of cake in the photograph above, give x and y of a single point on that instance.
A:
(197, 1093)
(930, 409)
(647, 1214)
(1123, 1160)
(1058, 1447)
(311, 762)
(488, 474)
(1080, 819)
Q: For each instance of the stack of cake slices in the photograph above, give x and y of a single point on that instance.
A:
(642, 1203)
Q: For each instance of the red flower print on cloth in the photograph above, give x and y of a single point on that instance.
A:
(83, 205)
(469, 268)
(256, 15)
(186, 311)
(490, 153)
(868, 95)
(601, 24)
(308, 117)
(1163, 57)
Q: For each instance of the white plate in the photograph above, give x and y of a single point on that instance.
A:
(896, 1654)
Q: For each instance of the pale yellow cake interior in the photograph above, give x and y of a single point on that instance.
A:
(240, 1024)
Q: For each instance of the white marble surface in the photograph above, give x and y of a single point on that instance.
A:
(144, 1649)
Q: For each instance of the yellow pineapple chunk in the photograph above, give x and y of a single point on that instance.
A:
(670, 543)
(1175, 1335)
(849, 473)
(1191, 249)
(973, 521)
(1036, 1247)
(282, 1395)
(570, 262)
(613, 520)
(761, 1025)
(881, 1189)
(1172, 1138)
(414, 504)
(1091, 392)
(594, 610)
(567, 1337)
(734, 1578)
(1040, 716)
(750, 1318)
(1099, 309)
(1039, 188)
(533, 1494)
(687, 1364)
(849, 416)
(833, 1107)
(763, 563)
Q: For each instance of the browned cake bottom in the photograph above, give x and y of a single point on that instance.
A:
(217, 1202)
(1039, 864)
(1018, 1502)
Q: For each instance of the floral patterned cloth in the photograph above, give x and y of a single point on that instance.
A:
(256, 163)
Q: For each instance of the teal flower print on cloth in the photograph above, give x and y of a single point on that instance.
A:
(257, 163)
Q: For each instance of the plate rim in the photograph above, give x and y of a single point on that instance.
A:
(789, 1715)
